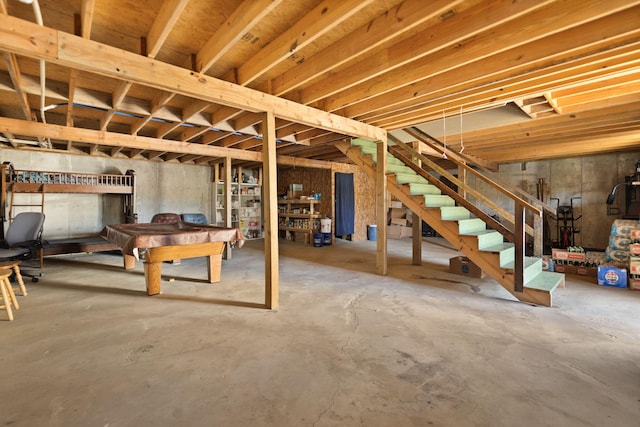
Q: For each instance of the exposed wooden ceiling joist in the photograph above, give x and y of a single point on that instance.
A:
(200, 71)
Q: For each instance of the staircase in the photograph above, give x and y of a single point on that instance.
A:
(462, 226)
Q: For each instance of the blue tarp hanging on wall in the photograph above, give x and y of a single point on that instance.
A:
(345, 205)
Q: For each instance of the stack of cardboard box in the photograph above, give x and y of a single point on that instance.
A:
(399, 221)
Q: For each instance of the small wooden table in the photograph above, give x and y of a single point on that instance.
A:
(156, 243)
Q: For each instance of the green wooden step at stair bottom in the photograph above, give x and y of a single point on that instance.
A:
(545, 281)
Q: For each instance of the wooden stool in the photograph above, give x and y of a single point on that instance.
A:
(8, 297)
(15, 266)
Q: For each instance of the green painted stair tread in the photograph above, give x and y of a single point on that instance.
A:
(545, 281)
(528, 262)
(422, 189)
(454, 213)
(362, 142)
(390, 159)
(486, 238)
(501, 247)
(405, 178)
(437, 200)
(532, 267)
(393, 168)
(466, 226)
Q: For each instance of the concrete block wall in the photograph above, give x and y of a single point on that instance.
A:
(161, 187)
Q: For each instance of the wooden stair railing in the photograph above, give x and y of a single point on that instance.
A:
(443, 207)
(481, 172)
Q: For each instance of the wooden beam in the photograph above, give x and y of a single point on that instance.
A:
(31, 40)
(117, 97)
(159, 102)
(393, 23)
(113, 139)
(165, 21)
(237, 26)
(381, 67)
(550, 63)
(270, 200)
(328, 15)
(86, 15)
(16, 79)
(488, 47)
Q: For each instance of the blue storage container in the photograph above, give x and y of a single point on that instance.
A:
(372, 232)
(326, 239)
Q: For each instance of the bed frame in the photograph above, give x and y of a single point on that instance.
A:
(14, 181)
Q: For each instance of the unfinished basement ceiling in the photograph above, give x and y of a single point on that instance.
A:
(187, 80)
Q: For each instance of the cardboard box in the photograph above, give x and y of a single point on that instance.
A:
(634, 284)
(564, 268)
(398, 213)
(634, 265)
(564, 255)
(300, 237)
(587, 271)
(407, 232)
(396, 204)
(634, 249)
(465, 267)
(399, 221)
(612, 276)
(394, 232)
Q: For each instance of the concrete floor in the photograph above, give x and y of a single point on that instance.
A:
(420, 347)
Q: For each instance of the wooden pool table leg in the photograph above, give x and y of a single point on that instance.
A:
(214, 267)
(152, 277)
(129, 261)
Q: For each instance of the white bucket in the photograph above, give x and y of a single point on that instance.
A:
(325, 225)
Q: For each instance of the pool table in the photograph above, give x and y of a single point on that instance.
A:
(155, 243)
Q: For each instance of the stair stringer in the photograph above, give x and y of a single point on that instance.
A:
(448, 229)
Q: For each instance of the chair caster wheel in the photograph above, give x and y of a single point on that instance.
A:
(34, 279)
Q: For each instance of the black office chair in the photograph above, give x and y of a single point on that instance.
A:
(24, 239)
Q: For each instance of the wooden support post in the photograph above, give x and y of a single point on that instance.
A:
(462, 176)
(270, 191)
(227, 202)
(417, 238)
(538, 234)
(519, 232)
(381, 208)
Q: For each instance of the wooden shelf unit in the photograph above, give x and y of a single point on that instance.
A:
(246, 208)
(298, 216)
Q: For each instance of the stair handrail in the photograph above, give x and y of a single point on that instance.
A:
(460, 200)
(466, 187)
(465, 160)
(508, 234)
(520, 205)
